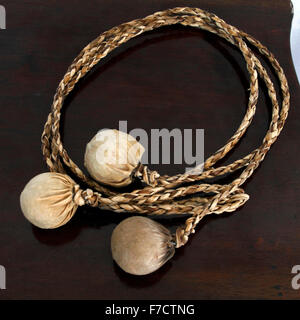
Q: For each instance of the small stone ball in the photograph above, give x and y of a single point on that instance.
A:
(47, 200)
(140, 245)
(111, 157)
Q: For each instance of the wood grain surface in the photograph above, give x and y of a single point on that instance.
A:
(173, 77)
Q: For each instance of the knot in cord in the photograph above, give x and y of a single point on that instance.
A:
(88, 196)
(77, 195)
(146, 176)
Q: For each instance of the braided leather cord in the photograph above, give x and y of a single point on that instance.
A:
(165, 194)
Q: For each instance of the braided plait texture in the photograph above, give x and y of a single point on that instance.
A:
(165, 194)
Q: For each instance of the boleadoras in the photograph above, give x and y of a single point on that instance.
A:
(49, 200)
(140, 245)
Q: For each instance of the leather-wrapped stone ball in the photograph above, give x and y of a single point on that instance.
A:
(140, 245)
(47, 200)
(112, 156)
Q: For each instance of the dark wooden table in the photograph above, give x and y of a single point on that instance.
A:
(172, 78)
